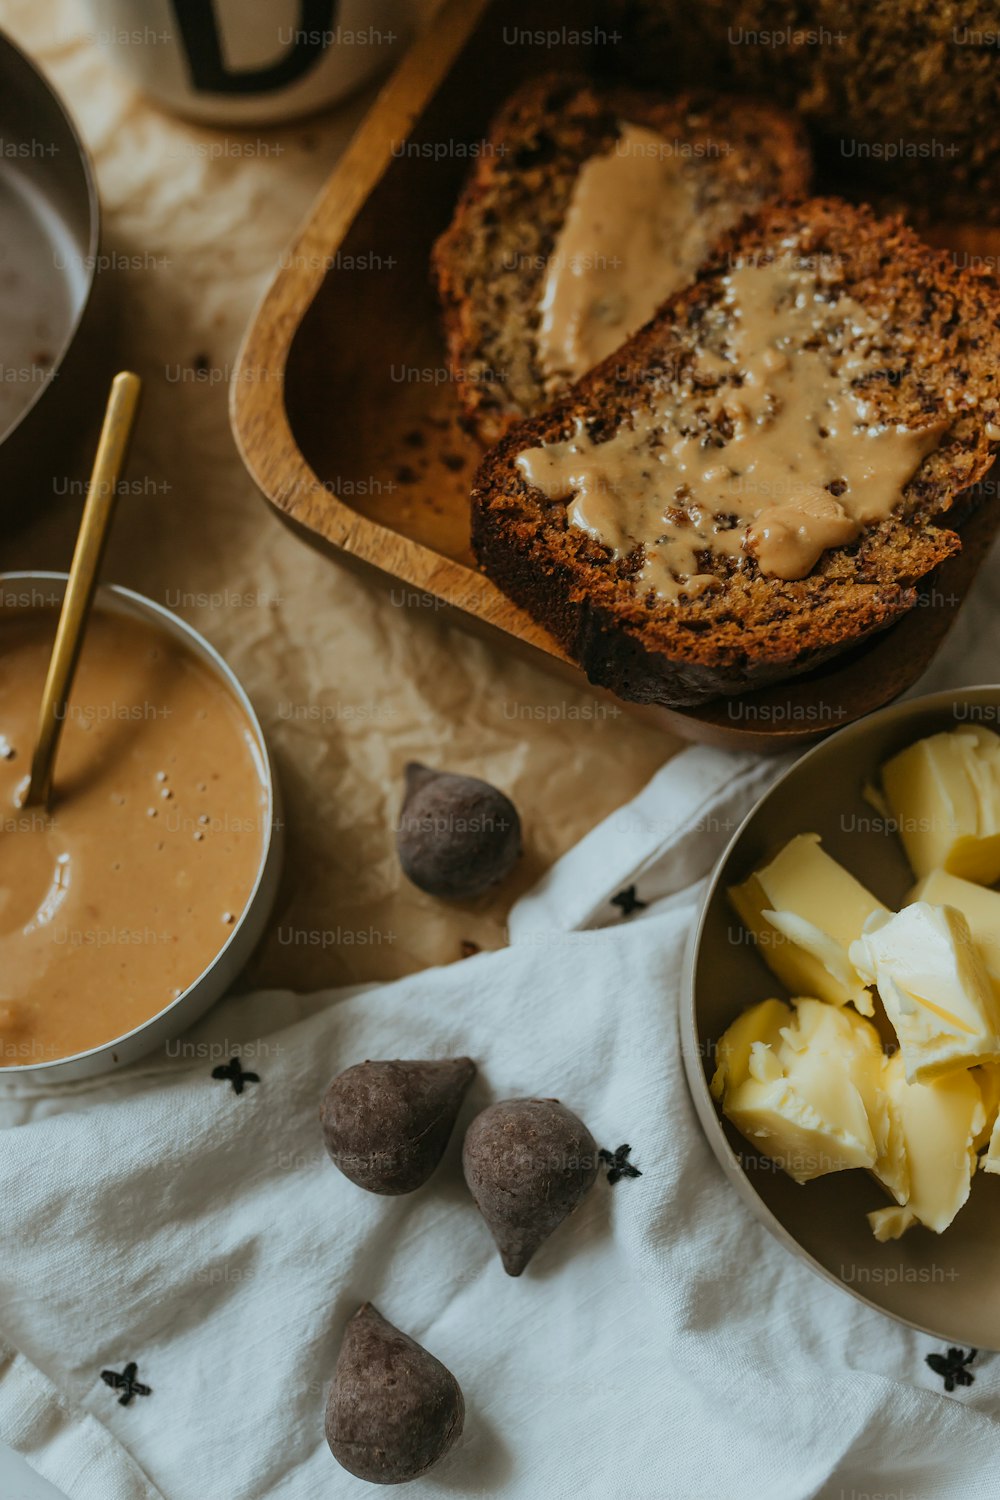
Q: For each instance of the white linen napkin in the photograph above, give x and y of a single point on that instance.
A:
(661, 1346)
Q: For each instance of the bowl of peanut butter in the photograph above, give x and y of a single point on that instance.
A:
(132, 902)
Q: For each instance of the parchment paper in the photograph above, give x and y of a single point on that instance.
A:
(348, 686)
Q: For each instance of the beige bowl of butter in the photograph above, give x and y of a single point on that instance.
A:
(134, 901)
(943, 1284)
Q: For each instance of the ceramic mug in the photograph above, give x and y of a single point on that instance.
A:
(248, 62)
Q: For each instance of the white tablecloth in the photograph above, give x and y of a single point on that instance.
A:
(660, 1346)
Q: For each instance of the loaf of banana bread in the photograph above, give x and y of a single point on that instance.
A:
(903, 96)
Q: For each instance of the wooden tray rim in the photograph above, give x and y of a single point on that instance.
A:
(256, 396)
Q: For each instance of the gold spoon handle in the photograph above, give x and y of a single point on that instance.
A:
(94, 527)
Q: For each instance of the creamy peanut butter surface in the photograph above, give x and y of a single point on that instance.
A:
(783, 460)
(630, 237)
(114, 901)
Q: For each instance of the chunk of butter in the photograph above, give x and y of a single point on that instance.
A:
(796, 1079)
(978, 904)
(804, 911)
(935, 988)
(892, 1163)
(944, 794)
(988, 1078)
(939, 1123)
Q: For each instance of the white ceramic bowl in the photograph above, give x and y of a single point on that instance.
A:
(38, 590)
(942, 1284)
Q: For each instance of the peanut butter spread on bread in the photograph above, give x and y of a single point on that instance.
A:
(593, 203)
(631, 236)
(790, 459)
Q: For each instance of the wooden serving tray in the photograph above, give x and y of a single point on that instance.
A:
(345, 414)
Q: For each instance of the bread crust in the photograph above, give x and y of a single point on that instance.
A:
(758, 630)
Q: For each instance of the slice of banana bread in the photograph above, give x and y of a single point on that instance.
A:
(673, 174)
(752, 483)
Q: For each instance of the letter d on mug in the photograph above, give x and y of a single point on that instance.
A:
(250, 62)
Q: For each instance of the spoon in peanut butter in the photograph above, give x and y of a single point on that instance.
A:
(95, 524)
